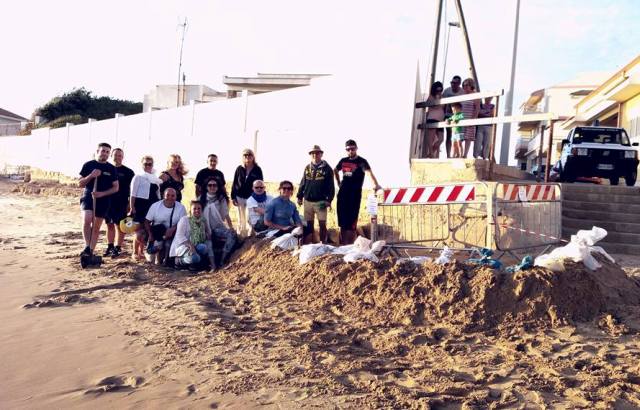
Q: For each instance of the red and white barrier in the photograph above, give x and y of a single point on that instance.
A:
(436, 194)
(535, 192)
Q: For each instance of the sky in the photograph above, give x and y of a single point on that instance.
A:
(124, 48)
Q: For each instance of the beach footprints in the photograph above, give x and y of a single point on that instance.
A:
(116, 384)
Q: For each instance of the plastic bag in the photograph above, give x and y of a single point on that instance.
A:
(485, 258)
(525, 263)
(579, 249)
(343, 250)
(307, 252)
(418, 260)
(445, 256)
(285, 242)
(377, 246)
(362, 244)
(354, 256)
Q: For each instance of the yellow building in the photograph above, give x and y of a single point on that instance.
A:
(615, 103)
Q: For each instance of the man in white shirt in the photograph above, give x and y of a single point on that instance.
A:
(452, 91)
(256, 205)
(161, 222)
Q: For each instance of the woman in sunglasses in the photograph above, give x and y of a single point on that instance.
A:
(145, 190)
(242, 186)
(281, 213)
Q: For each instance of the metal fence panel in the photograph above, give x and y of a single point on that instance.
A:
(527, 215)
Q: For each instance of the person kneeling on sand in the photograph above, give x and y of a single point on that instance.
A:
(192, 240)
(216, 214)
(281, 213)
(256, 205)
(160, 224)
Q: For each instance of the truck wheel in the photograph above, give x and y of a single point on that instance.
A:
(630, 179)
(614, 180)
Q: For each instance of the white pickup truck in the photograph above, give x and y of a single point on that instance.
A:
(604, 152)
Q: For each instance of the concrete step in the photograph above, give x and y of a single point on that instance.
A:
(612, 224)
(609, 246)
(601, 198)
(600, 189)
(612, 237)
(599, 217)
(614, 208)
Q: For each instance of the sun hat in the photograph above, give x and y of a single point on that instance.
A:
(315, 148)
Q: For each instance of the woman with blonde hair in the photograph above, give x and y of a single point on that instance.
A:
(173, 176)
(145, 190)
(242, 187)
(470, 110)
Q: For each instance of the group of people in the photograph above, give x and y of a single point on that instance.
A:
(459, 139)
(165, 233)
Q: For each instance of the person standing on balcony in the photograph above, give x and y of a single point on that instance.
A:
(452, 91)
(483, 132)
(470, 109)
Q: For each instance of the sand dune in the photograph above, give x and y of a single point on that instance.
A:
(269, 333)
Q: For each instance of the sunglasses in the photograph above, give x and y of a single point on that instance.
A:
(351, 148)
(148, 164)
(258, 187)
(287, 188)
(247, 155)
(212, 184)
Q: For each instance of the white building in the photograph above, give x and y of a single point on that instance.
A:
(172, 96)
(559, 99)
(10, 123)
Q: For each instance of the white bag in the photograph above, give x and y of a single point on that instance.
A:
(343, 250)
(578, 250)
(354, 256)
(418, 260)
(377, 246)
(362, 244)
(307, 252)
(285, 242)
(445, 256)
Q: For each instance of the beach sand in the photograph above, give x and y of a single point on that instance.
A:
(268, 333)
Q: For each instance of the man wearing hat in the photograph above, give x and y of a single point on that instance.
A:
(353, 168)
(316, 192)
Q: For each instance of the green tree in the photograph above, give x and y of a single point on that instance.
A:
(78, 105)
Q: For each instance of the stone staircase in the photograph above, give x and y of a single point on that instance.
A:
(614, 208)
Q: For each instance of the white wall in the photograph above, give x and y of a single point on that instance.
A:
(288, 122)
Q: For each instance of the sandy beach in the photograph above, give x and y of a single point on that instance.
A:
(266, 332)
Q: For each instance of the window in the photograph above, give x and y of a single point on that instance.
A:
(523, 166)
(600, 136)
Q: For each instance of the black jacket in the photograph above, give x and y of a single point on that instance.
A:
(242, 183)
(317, 183)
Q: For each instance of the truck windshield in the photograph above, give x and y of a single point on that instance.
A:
(601, 136)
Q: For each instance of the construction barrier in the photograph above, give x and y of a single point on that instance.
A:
(455, 215)
(527, 215)
(506, 216)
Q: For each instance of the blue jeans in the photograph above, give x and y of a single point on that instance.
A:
(202, 250)
(229, 239)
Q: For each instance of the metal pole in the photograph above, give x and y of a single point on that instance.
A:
(492, 147)
(549, 148)
(540, 150)
(465, 35)
(446, 48)
(506, 128)
(436, 42)
(184, 27)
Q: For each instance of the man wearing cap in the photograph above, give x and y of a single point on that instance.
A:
(353, 168)
(316, 192)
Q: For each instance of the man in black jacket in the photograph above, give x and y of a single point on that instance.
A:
(317, 191)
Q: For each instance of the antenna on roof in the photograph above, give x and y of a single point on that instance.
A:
(184, 29)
